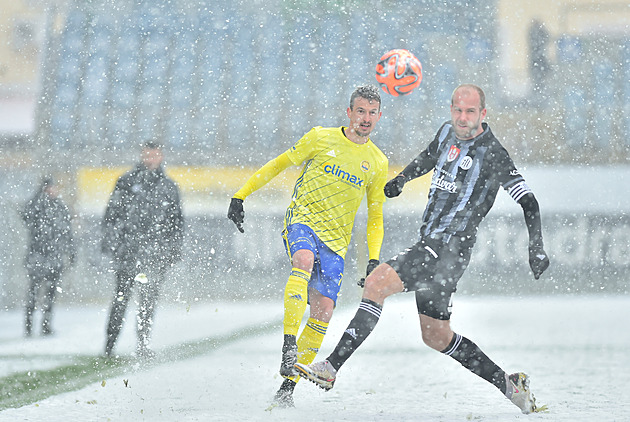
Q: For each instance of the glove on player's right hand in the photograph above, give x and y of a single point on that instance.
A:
(236, 213)
(538, 261)
(394, 187)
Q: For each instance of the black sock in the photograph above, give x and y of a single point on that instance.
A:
(287, 385)
(472, 358)
(359, 328)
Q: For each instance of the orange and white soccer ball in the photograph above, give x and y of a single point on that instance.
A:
(399, 72)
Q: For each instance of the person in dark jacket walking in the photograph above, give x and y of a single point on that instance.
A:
(143, 232)
(51, 247)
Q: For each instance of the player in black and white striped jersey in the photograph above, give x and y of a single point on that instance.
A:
(469, 166)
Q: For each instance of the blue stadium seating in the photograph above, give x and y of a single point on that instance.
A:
(604, 98)
(214, 76)
(576, 116)
(625, 91)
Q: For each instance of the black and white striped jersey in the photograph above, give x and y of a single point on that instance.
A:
(466, 178)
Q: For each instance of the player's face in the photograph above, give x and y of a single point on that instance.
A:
(363, 116)
(466, 114)
(152, 158)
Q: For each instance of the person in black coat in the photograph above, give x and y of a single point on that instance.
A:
(50, 247)
(143, 233)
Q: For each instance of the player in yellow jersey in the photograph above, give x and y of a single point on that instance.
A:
(340, 166)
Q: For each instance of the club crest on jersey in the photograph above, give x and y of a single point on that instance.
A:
(453, 153)
(466, 163)
(365, 166)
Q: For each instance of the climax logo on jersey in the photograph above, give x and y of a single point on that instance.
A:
(335, 170)
(453, 153)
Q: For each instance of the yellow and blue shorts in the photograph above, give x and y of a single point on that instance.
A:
(328, 266)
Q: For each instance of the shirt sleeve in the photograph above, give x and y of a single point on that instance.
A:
(425, 161)
(375, 230)
(375, 199)
(303, 149)
(264, 175)
(375, 190)
(509, 177)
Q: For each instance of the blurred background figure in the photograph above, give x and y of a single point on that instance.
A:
(143, 231)
(539, 62)
(50, 248)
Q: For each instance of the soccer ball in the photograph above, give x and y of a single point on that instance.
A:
(399, 72)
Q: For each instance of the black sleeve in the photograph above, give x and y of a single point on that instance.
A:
(177, 220)
(424, 162)
(531, 212)
(420, 166)
(68, 246)
(112, 218)
(27, 214)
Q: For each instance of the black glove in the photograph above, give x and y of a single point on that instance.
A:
(538, 260)
(236, 213)
(372, 263)
(394, 187)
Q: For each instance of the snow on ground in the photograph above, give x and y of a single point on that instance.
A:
(575, 348)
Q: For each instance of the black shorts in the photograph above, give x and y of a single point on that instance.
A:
(432, 269)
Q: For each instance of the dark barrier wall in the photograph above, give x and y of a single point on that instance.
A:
(590, 253)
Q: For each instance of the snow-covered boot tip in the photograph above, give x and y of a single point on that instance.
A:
(321, 373)
(518, 392)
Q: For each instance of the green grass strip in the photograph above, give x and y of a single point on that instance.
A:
(24, 388)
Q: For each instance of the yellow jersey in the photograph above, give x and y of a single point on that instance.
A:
(337, 173)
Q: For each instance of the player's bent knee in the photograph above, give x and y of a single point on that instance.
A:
(382, 282)
(437, 336)
(303, 259)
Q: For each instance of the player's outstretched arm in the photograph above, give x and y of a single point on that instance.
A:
(420, 166)
(375, 232)
(255, 182)
(538, 258)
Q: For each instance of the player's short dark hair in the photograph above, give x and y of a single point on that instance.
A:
(369, 92)
(151, 144)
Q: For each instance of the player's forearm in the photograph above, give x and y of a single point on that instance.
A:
(531, 212)
(263, 176)
(375, 230)
(420, 166)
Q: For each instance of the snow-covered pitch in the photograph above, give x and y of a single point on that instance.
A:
(213, 366)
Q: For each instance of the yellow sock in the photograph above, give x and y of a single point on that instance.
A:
(310, 341)
(295, 299)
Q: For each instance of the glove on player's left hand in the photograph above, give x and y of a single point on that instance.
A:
(538, 261)
(394, 187)
(372, 263)
(236, 213)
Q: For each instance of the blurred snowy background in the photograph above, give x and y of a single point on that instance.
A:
(228, 85)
